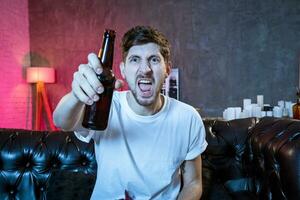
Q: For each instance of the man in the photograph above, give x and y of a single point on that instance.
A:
(151, 140)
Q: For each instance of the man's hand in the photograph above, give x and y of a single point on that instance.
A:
(85, 85)
(86, 88)
(192, 180)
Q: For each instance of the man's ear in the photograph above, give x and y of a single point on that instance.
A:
(122, 69)
(168, 69)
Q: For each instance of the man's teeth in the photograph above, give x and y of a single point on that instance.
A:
(145, 82)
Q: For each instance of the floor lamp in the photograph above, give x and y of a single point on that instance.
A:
(40, 76)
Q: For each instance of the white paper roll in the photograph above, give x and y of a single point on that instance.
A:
(244, 114)
(291, 110)
(246, 102)
(248, 109)
(254, 108)
(256, 111)
(269, 113)
(277, 111)
(260, 100)
(225, 114)
(287, 104)
(281, 104)
(237, 111)
(230, 113)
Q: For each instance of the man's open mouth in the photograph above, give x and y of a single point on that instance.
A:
(145, 86)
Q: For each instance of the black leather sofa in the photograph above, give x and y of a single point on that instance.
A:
(252, 159)
(245, 159)
(45, 165)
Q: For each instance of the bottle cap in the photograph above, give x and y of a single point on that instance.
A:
(109, 33)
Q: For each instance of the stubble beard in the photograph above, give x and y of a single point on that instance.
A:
(146, 102)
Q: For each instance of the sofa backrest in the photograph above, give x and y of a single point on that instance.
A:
(223, 158)
(274, 158)
(29, 158)
(253, 156)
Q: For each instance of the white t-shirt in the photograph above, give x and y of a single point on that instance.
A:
(143, 154)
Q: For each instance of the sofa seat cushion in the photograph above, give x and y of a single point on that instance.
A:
(70, 185)
(244, 195)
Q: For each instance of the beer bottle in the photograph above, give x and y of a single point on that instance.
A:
(96, 115)
(296, 107)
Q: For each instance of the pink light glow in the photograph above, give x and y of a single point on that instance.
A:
(15, 102)
(43, 74)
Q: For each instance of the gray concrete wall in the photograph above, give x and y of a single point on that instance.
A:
(226, 50)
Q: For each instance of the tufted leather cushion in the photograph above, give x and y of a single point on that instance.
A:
(274, 154)
(27, 159)
(222, 160)
(252, 159)
(288, 157)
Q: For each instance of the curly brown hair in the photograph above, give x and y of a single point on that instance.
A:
(140, 35)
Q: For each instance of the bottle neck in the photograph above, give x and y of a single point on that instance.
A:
(106, 53)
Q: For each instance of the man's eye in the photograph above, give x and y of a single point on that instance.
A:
(155, 60)
(134, 60)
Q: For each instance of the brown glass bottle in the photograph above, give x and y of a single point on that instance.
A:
(96, 115)
(296, 107)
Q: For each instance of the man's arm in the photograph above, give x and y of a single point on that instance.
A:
(68, 113)
(192, 180)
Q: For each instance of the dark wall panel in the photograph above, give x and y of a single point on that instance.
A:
(226, 50)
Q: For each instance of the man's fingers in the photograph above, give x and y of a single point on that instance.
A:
(93, 62)
(91, 77)
(84, 85)
(80, 95)
(119, 84)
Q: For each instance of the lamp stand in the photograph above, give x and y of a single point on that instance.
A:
(42, 101)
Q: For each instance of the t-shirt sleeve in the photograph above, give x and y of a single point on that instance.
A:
(84, 135)
(197, 141)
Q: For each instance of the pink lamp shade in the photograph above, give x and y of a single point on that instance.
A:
(40, 74)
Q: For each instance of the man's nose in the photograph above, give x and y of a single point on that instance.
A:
(145, 68)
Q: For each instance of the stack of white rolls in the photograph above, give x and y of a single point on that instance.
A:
(259, 109)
